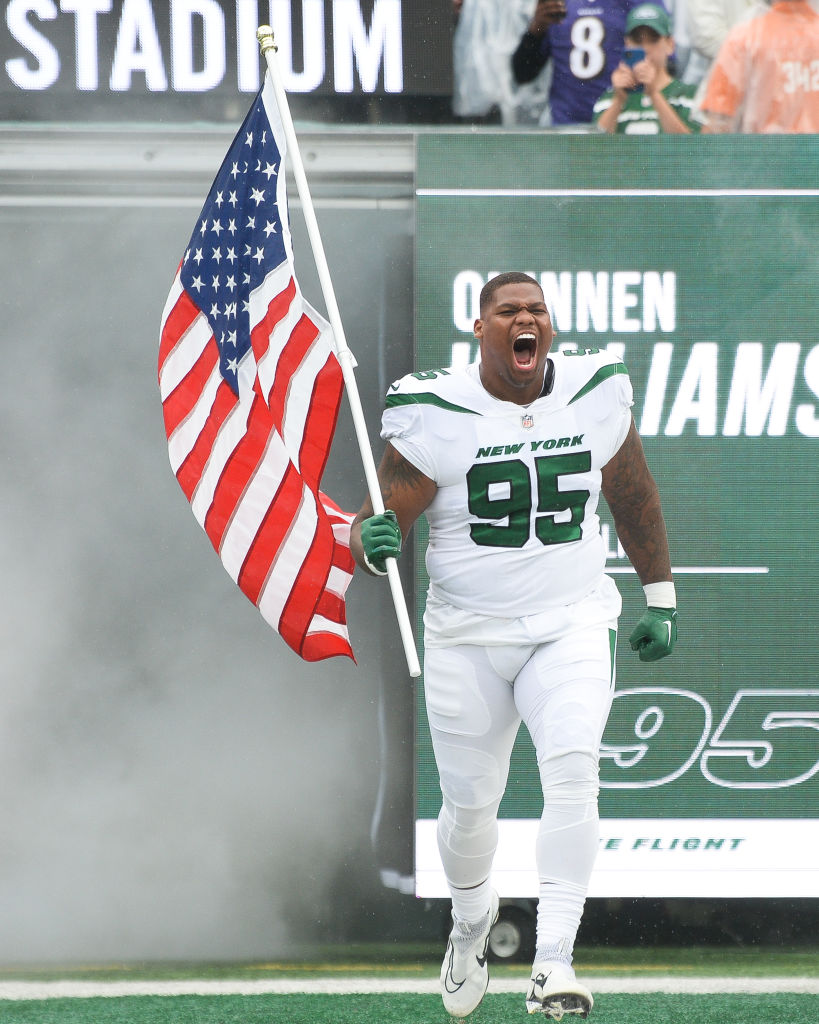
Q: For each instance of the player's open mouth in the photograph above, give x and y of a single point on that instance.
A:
(524, 351)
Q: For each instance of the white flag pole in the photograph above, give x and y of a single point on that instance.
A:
(345, 357)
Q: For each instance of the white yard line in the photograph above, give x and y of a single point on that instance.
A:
(21, 990)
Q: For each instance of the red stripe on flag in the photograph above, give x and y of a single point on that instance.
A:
(237, 472)
(273, 529)
(300, 606)
(343, 558)
(277, 310)
(319, 646)
(180, 318)
(298, 345)
(332, 607)
(190, 472)
(321, 421)
(181, 402)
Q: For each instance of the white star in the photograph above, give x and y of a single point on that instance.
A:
(258, 165)
(203, 226)
(232, 199)
(219, 199)
(217, 255)
(232, 365)
(249, 139)
(185, 257)
(245, 305)
(251, 222)
(232, 226)
(197, 283)
(269, 170)
(216, 226)
(215, 283)
(264, 136)
(231, 255)
(232, 338)
(257, 195)
(270, 229)
(230, 283)
(214, 310)
(246, 276)
(198, 256)
(234, 171)
(259, 254)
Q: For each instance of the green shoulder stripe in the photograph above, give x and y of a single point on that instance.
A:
(425, 398)
(609, 370)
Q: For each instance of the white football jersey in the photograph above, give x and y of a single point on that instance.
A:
(513, 527)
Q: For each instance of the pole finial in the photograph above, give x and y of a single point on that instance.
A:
(264, 33)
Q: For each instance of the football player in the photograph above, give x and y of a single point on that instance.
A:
(507, 460)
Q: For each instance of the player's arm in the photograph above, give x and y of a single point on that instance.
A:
(634, 500)
(406, 492)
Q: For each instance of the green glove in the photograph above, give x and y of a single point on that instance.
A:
(655, 634)
(381, 539)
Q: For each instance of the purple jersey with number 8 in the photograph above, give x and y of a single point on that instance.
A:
(584, 49)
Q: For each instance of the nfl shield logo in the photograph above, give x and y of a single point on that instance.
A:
(527, 421)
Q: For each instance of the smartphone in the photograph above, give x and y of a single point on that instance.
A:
(633, 55)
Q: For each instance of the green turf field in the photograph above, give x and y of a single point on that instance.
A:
(785, 983)
(402, 1008)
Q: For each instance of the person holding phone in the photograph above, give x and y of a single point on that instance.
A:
(582, 42)
(645, 98)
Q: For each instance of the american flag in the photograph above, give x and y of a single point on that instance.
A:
(250, 389)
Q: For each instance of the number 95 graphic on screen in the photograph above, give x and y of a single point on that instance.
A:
(767, 739)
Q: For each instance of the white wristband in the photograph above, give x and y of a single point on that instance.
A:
(660, 595)
(372, 568)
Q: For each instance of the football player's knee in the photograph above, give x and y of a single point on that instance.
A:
(570, 776)
(470, 779)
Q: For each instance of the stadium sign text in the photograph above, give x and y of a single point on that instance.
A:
(195, 46)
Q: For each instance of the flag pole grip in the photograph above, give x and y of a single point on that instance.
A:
(345, 357)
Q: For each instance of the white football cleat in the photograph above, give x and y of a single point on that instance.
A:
(464, 972)
(555, 992)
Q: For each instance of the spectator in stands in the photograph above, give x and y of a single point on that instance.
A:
(483, 90)
(764, 79)
(583, 39)
(709, 22)
(645, 99)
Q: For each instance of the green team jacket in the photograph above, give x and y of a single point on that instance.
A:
(638, 116)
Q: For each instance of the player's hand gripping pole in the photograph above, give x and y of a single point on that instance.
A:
(345, 357)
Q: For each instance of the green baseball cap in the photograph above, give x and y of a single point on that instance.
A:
(652, 16)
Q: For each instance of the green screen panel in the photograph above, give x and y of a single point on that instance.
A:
(696, 260)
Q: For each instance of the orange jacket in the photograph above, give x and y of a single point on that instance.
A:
(766, 75)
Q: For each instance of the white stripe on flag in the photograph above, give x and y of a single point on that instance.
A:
(290, 558)
(253, 506)
(181, 359)
(231, 432)
(173, 295)
(299, 395)
(185, 435)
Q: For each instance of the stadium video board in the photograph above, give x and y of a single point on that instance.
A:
(199, 59)
(695, 259)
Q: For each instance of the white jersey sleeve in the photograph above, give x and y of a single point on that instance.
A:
(513, 525)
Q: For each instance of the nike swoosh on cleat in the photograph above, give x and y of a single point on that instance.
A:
(449, 980)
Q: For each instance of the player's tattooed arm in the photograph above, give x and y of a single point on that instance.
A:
(405, 490)
(634, 500)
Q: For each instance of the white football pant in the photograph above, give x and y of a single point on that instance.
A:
(476, 698)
